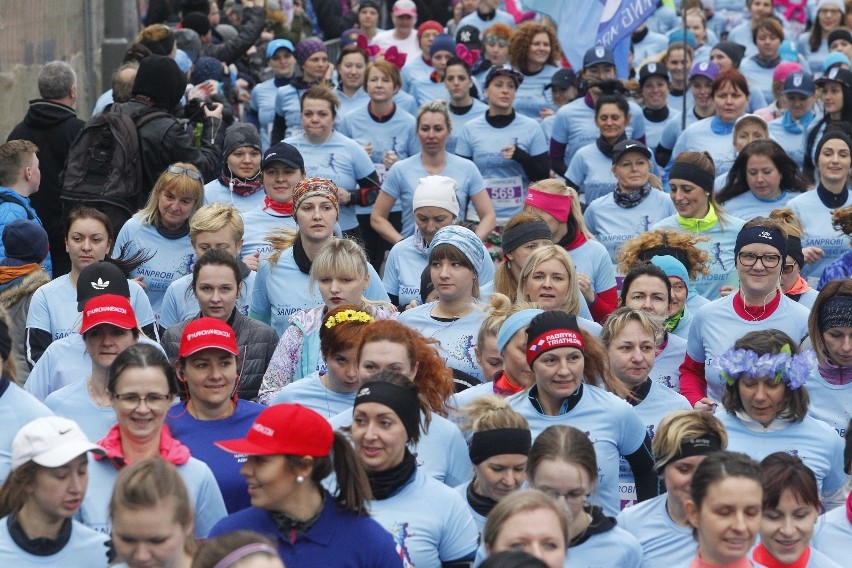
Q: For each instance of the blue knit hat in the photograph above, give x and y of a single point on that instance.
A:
(463, 239)
(442, 42)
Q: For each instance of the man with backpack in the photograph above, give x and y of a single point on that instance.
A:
(19, 178)
(119, 155)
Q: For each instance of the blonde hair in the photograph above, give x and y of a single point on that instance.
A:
(181, 185)
(343, 257)
(788, 221)
(620, 318)
(543, 254)
(215, 217)
(556, 187)
(681, 425)
(490, 413)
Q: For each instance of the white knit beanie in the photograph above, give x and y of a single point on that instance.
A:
(436, 191)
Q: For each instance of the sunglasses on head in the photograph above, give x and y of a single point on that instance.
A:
(177, 170)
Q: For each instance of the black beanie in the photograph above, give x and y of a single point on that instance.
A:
(162, 47)
(240, 135)
(839, 33)
(830, 135)
(794, 249)
(196, 21)
(161, 80)
(733, 50)
(551, 330)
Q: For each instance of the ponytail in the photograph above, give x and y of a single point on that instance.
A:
(353, 486)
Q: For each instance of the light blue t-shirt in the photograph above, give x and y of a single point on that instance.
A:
(832, 535)
(654, 130)
(663, 542)
(819, 232)
(404, 177)
(717, 326)
(609, 422)
(288, 103)
(759, 78)
(747, 206)
(720, 254)
(348, 104)
(656, 406)
(200, 484)
(216, 192)
(415, 69)
(73, 402)
(666, 370)
(430, 522)
(505, 180)
(790, 141)
(263, 103)
(18, 408)
(441, 452)
(457, 339)
(311, 393)
(53, 307)
(397, 134)
(700, 137)
(172, 258)
(85, 547)
(591, 172)
(283, 289)
(425, 89)
(64, 362)
(592, 259)
(459, 120)
(613, 225)
(259, 224)
(180, 304)
(812, 440)
(829, 403)
(340, 159)
(532, 96)
(615, 547)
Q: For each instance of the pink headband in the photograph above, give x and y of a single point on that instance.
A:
(244, 551)
(557, 205)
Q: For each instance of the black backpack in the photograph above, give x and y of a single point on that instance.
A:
(104, 165)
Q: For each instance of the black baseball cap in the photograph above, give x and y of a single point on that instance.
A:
(100, 278)
(285, 154)
(562, 79)
(652, 70)
(626, 146)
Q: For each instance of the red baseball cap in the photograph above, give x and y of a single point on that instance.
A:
(284, 429)
(204, 333)
(108, 308)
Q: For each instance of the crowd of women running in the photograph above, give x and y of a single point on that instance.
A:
(598, 338)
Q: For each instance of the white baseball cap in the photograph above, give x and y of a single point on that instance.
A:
(50, 441)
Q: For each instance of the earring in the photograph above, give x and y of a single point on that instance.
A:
(300, 479)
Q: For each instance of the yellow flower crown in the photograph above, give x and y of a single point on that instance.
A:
(348, 315)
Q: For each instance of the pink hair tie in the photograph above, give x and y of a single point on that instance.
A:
(557, 205)
(244, 551)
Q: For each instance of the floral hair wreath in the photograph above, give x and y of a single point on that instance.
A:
(784, 366)
(348, 315)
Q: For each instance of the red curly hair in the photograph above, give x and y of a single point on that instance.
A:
(434, 379)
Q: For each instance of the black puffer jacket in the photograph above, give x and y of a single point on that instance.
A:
(256, 341)
(165, 141)
(52, 127)
(230, 51)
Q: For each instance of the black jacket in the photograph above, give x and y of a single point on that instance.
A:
(256, 342)
(52, 127)
(165, 141)
(229, 51)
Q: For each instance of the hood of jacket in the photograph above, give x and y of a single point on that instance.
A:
(44, 114)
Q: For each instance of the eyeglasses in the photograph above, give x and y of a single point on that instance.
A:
(132, 400)
(492, 40)
(768, 260)
(788, 268)
(177, 170)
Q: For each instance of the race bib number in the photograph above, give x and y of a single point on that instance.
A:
(505, 193)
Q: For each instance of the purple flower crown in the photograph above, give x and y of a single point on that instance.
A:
(794, 370)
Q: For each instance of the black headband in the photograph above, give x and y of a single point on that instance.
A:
(499, 442)
(664, 250)
(794, 249)
(404, 402)
(762, 235)
(522, 234)
(701, 446)
(701, 178)
(835, 312)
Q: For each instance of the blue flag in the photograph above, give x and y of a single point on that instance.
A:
(583, 24)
